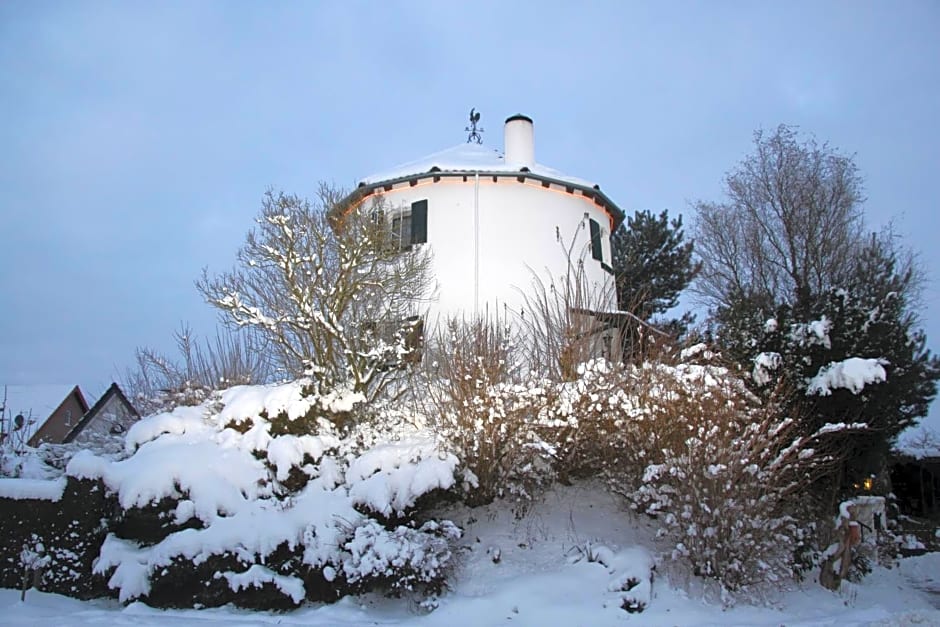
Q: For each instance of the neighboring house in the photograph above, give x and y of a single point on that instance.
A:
(495, 222)
(111, 416)
(33, 414)
(56, 414)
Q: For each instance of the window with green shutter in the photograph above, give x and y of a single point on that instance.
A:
(411, 227)
(419, 222)
(597, 250)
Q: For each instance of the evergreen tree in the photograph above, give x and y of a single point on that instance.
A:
(871, 318)
(652, 264)
(800, 293)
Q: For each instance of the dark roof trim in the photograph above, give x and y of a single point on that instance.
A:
(591, 193)
(518, 116)
(91, 413)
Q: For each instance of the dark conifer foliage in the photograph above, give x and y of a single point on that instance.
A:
(652, 264)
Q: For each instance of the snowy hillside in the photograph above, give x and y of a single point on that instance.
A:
(258, 499)
(534, 571)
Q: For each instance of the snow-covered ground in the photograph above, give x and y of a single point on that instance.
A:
(531, 570)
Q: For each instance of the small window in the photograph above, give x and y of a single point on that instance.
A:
(401, 231)
(597, 250)
(68, 417)
(409, 228)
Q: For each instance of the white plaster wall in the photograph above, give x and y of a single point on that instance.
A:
(514, 230)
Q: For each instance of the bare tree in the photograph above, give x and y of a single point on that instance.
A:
(159, 383)
(330, 288)
(790, 225)
(566, 319)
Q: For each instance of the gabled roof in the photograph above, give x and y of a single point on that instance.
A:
(38, 402)
(113, 390)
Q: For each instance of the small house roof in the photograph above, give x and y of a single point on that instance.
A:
(37, 402)
(113, 390)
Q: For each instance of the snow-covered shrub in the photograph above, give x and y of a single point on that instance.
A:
(723, 472)
(27, 463)
(402, 558)
(218, 505)
(851, 349)
(328, 288)
(486, 409)
(586, 418)
(631, 572)
(62, 516)
(33, 560)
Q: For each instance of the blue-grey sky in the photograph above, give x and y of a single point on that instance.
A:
(136, 139)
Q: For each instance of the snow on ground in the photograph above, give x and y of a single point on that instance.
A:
(45, 489)
(532, 571)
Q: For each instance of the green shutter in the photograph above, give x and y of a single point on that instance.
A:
(419, 222)
(596, 251)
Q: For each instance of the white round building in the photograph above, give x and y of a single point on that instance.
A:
(496, 221)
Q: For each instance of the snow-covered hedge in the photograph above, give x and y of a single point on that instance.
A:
(489, 411)
(723, 472)
(225, 510)
(53, 527)
(686, 442)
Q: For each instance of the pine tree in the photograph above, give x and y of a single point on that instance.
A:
(798, 286)
(652, 265)
(870, 317)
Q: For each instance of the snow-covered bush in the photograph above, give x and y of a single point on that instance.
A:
(327, 286)
(631, 571)
(851, 351)
(722, 472)
(64, 518)
(585, 420)
(218, 505)
(487, 409)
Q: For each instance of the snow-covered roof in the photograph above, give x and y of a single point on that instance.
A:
(470, 158)
(465, 159)
(35, 402)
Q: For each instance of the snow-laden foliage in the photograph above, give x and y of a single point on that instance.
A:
(631, 573)
(724, 475)
(330, 290)
(851, 374)
(489, 411)
(850, 353)
(240, 505)
(158, 382)
(688, 444)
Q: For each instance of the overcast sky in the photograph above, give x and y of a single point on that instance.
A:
(138, 138)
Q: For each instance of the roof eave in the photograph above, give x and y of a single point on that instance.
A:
(365, 189)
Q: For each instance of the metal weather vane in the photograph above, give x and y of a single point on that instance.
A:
(476, 133)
